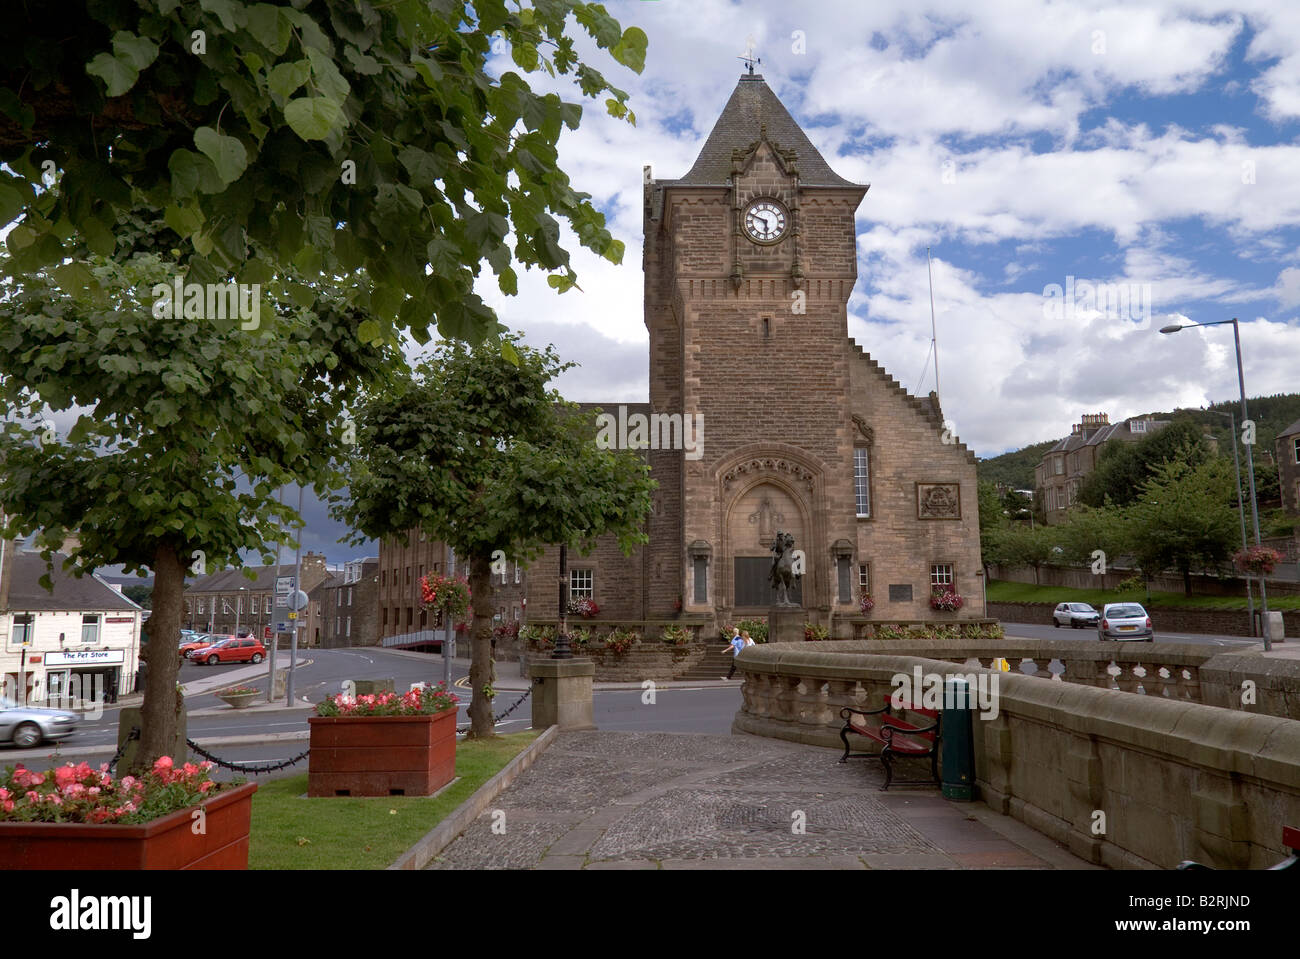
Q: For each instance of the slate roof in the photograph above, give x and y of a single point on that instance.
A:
(70, 592)
(752, 106)
(1293, 428)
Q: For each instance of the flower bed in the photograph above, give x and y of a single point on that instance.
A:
(946, 600)
(79, 817)
(383, 745)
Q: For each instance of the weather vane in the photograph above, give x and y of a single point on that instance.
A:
(749, 57)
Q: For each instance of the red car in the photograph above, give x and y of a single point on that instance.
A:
(245, 650)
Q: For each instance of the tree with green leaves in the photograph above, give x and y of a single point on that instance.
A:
(141, 595)
(182, 430)
(1186, 518)
(478, 453)
(1123, 467)
(347, 138)
(1023, 546)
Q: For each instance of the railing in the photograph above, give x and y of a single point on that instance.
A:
(413, 639)
(1143, 781)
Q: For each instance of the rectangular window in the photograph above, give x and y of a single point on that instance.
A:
(844, 579)
(90, 628)
(267, 608)
(864, 577)
(941, 576)
(383, 577)
(516, 574)
(1295, 449)
(384, 614)
(1058, 464)
(408, 576)
(580, 584)
(187, 607)
(349, 595)
(200, 607)
(1137, 426)
(24, 629)
(701, 579)
(349, 633)
(338, 598)
(861, 481)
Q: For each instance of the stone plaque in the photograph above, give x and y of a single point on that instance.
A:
(900, 594)
(938, 501)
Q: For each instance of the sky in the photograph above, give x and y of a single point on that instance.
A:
(1029, 145)
(1151, 147)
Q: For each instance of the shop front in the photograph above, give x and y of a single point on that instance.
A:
(83, 676)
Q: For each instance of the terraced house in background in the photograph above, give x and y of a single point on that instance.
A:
(1061, 472)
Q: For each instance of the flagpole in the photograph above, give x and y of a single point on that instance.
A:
(934, 339)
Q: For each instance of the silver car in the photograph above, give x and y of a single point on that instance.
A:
(1125, 621)
(28, 726)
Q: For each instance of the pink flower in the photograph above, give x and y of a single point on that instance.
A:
(93, 790)
(8, 805)
(128, 782)
(207, 785)
(162, 763)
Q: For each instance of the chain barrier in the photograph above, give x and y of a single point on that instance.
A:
(462, 730)
(254, 767)
(121, 750)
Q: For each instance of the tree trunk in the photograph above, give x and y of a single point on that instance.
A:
(1187, 581)
(161, 700)
(482, 671)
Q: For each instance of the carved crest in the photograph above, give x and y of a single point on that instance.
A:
(867, 432)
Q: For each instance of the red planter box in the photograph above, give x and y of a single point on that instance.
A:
(166, 843)
(381, 755)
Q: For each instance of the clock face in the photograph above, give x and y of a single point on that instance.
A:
(765, 221)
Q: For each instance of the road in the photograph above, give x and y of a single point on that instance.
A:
(1034, 631)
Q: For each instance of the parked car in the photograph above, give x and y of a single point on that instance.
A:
(231, 650)
(197, 640)
(29, 726)
(1125, 621)
(1074, 615)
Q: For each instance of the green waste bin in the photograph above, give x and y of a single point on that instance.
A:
(957, 751)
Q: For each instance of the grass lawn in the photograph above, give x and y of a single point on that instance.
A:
(1003, 591)
(290, 831)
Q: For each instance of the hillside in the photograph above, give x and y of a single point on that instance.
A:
(1271, 414)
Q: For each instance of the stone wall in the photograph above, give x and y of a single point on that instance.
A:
(657, 661)
(1073, 577)
(1167, 619)
(1173, 779)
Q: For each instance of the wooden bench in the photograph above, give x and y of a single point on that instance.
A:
(1290, 839)
(899, 737)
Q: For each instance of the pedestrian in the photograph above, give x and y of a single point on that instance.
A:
(735, 644)
(749, 640)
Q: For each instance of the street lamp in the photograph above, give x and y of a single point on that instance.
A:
(1250, 459)
(1241, 509)
(239, 606)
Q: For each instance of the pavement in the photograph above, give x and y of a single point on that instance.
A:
(607, 800)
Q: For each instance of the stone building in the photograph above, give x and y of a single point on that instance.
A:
(349, 605)
(227, 600)
(768, 416)
(1064, 467)
(401, 619)
(1288, 467)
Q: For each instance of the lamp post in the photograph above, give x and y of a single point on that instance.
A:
(1250, 459)
(1241, 509)
(239, 606)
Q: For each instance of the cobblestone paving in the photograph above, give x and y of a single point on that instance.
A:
(662, 800)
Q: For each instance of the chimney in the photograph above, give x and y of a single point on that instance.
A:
(313, 561)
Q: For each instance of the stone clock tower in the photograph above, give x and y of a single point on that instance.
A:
(750, 259)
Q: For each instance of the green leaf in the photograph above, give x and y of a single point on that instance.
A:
(509, 353)
(630, 50)
(232, 15)
(269, 28)
(118, 76)
(136, 51)
(369, 331)
(184, 220)
(73, 278)
(287, 77)
(312, 118)
(21, 237)
(226, 153)
(363, 63)
(11, 203)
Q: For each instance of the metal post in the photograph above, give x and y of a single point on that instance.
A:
(275, 641)
(1241, 514)
(562, 650)
(297, 585)
(446, 626)
(1250, 474)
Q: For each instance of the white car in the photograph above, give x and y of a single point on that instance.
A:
(1074, 615)
(1125, 622)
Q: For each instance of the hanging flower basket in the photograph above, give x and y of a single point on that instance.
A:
(1259, 560)
(586, 608)
(448, 595)
(866, 604)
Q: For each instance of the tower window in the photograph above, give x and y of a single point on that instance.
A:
(861, 481)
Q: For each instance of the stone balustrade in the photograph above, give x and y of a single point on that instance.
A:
(1131, 781)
